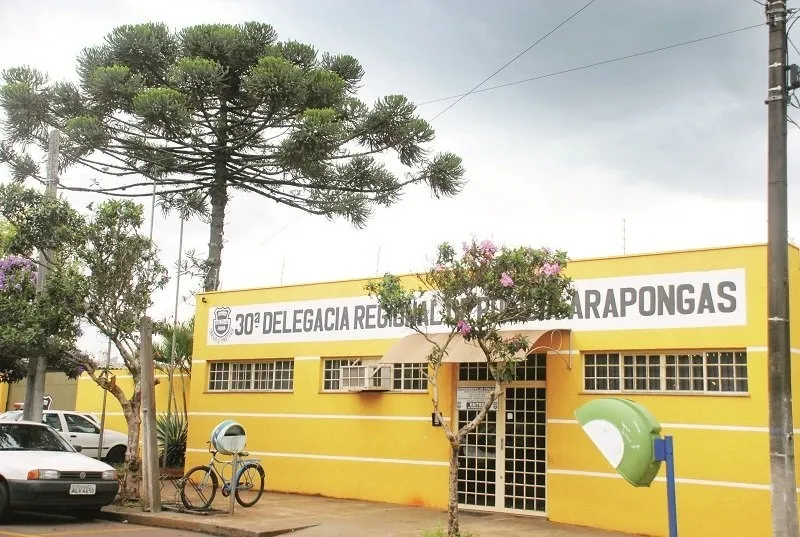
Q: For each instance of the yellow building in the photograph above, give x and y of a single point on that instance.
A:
(89, 396)
(683, 333)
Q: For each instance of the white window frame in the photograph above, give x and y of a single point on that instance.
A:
(663, 372)
(250, 376)
(330, 374)
(414, 373)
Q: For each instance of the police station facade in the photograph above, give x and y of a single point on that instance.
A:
(334, 398)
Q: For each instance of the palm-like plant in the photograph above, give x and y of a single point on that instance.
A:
(171, 430)
(183, 336)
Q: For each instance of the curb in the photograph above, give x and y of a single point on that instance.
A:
(197, 526)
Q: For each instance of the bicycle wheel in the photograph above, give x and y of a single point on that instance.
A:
(199, 488)
(250, 484)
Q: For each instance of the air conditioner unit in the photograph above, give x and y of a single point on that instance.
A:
(366, 378)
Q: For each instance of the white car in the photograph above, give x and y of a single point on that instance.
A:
(41, 471)
(78, 429)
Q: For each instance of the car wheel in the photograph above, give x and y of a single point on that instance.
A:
(4, 501)
(87, 514)
(116, 455)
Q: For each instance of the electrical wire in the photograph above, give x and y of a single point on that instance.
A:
(477, 88)
(793, 45)
(515, 58)
(589, 66)
(282, 229)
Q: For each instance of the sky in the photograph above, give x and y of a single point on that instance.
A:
(663, 151)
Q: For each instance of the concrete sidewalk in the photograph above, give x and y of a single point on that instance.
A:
(313, 516)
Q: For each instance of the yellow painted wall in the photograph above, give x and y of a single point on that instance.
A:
(296, 433)
(3, 395)
(57, 385)
(90, 397)
(306, 437)
(736, 461)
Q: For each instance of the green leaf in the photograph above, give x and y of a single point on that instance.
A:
(217, 106)
(163, 109)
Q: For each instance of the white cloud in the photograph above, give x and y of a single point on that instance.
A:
(526, 184)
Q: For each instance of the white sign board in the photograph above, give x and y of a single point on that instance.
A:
(653, 301)
(473, 398)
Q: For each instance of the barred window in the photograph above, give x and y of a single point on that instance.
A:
(534, 367)
(404, 377)
(219, 375)
(262, 376)
(691, 372)
(332, 373)
(410, 377)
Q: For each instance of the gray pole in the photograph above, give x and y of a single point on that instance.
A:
(171, 369)
(37, 368)
(781, 442)
(105, 398)
(152, 492)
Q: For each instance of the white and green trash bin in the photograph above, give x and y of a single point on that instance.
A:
(628, 436)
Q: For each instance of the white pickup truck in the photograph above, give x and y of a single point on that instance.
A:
(81, 429)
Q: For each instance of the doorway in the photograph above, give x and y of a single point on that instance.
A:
(503, 462)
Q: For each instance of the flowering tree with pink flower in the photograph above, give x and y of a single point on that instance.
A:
(31, 326)
(481, 293)
(104, 271)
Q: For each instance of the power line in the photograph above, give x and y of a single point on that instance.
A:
(793, 45)
(587, 66)
(283, 228)
(515, 58)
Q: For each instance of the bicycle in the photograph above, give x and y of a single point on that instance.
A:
(245, 476)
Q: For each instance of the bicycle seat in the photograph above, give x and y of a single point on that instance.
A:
(244, 454)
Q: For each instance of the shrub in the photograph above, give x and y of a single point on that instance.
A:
(172, 429)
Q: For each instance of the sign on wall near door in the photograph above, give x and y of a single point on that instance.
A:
(473, 397)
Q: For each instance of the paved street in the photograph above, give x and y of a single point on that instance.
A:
(34, 525)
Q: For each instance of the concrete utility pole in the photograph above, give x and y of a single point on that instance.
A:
(105, 400)
(37, 368)
(151, 496)
(781, 425)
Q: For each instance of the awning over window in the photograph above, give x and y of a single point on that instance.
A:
(415, 348)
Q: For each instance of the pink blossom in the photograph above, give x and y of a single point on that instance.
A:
(488, 249)
(463, 327)
(438, 268)
(551, 269)
(505, 280)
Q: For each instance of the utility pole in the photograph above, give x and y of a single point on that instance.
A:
(624, 237)
(781, 425)
(105, 399)
(151, 496)
(37, 368)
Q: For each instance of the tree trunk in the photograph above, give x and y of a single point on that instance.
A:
(452, 501)
(219, 200)
(133, 463)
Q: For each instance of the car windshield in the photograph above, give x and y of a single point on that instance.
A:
(29, 437)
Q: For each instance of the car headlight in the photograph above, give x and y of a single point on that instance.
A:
(110, 475)
(44, 474)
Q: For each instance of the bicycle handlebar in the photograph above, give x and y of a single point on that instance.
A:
(215, 452)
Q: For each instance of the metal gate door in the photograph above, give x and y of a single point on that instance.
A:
(525, 452)
(502, 464)
(477, 462)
